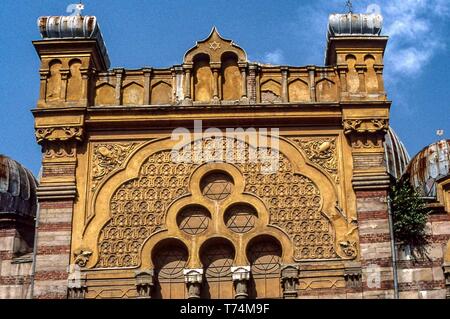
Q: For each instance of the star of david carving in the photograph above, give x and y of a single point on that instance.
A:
(219, 260)
(172, 261)
(241, 222)
(194, 224)
(214, 45)
(266, 257)
(217, 189)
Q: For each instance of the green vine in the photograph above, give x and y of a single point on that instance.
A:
(409, 216)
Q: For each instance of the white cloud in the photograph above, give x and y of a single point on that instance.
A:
(274, 57)
(415, 36)
(414, 28)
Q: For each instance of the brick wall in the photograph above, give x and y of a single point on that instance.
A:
(53, 249)
(375, 244)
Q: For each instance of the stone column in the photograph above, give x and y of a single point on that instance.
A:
(44, 74)
(361, 69)
(85, 75)
(379, 71)
(193, 279)
(371, 185)
(215, 67)
(312, 82)
(64, 80)
(289, 281)
(241, 277)
(244, 94)
(56, 195)
(252, 68)
(187, 84)
(144, 283)
(343, 69)
(284, 84)
(147, 85)
(119, 79)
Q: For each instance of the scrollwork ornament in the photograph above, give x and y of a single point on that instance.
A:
(52, 134)
(321, 151)
(107, 158)
(82, 257)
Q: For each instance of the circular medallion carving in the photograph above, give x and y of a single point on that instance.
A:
(193, 220)
(240, 218)
(217, 186)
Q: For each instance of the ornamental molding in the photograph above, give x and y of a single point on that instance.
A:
(65, 133)
(365, 126)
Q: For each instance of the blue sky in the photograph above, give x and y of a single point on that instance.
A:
(158, 32)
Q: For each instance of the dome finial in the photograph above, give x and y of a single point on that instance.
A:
(75, 9)
(349, 5)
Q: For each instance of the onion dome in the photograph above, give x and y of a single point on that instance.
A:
(17, 189)
(397, 157)
(73, 27)
(429, 166)
(354, 24)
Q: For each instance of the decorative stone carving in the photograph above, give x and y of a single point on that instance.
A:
(366, 133)
(241, 277)
(59, 134)
(321, 151)
(289, 281)
(139, 206)
(76, 283)
(144, 283)
(82, 257)
(58, 150)
(193, 279)
(138, 209)
(77, 291)
(352, 276)
(365, 125)
(107, 158)
(349, 248)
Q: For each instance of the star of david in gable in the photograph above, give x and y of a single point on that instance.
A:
(214, 45)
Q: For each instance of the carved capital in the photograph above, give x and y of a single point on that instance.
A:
(51, 134)
(366, 133)
(289, 281)
(193, 279)
(241, 276)
(76, 283)
(365, 125)
(353, 275)
(144, 283)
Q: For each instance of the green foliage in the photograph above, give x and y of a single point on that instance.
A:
(409, 215)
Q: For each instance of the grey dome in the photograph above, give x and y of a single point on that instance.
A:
(397, 157)
(354, 24)
(428, 166)
(17, 189)
(73, 27)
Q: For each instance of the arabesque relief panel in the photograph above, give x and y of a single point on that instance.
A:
(298, 199)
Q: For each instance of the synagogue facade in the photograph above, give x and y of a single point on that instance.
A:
(219, 177)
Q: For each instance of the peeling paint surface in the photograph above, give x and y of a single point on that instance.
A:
(428, 166)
